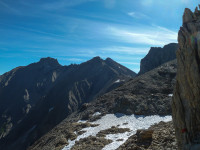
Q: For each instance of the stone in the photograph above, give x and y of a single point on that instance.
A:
(144, 135)
(158, 56)
(188, 16)
(186, 99)
(160, 136)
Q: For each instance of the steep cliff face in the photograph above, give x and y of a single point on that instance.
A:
(186, 100)
(158, 56)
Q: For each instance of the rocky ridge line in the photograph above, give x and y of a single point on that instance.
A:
(150, 90)
(158, 56)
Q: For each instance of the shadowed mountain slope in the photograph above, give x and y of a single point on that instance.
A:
(37, 97)
(147, 94)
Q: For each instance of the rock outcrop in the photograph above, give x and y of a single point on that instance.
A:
(37, 97)
(158, 56)
(147, 94)
(186, 99)
(158, 137)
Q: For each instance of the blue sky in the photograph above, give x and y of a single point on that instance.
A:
(74, 31)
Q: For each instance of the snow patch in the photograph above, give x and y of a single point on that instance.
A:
(117, 81)
(96, 114)
(133, 122)
(82, 121)
(170, 95)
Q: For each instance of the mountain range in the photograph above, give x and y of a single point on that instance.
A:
(102, 105)
(42, 94)
(36, 98)
(148, 94)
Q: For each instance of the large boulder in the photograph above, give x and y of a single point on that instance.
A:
(186, 99)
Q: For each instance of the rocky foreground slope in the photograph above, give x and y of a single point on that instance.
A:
(148, 94)
(35, 98)
(158, 56)
(186, 100)
(160, 136)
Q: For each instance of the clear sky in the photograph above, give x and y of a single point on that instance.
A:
(74, 31)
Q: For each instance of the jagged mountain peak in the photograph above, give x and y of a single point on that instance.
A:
(109, 59)
(93, 61)
(44, 89)
(99, 59)
(170, 45)
(158, 56)
(49, 61)
(156, 49)
(96, 58)
(116, 67)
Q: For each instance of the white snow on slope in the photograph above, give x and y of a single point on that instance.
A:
(132, 122)
(96, 114)
(117, 81)
(170, 95)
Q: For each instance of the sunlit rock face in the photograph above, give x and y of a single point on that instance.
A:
(186, 100)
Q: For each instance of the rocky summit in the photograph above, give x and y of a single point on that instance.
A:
(35, 98)
(158, 56)
(186, 102)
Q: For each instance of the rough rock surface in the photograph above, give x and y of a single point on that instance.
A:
(35, 98)
(147, 94)
(61, 136)
(158, 137)
(112, 130)
(186, 100)
(158, 56)
(91, 143)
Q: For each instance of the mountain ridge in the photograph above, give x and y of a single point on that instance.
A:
(123, 99)
(58, 90)
(158, 56)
